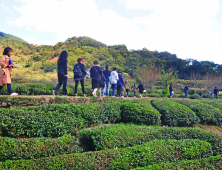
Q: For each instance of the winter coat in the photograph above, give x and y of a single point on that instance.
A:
(82, 67)
(134, 89)
(127, 85)
(186, 88)
(170, 88)
(106, 73)
(6, 78)
(140, 87)
(96, 73)
(113, 77)
(215, 90)
(62, 67)
(120, 82)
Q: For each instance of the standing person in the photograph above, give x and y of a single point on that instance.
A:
(62, 73)
(113, 80)
(127, 86)
(79, 74)
(6, 70)
(134, 89)
(140, 87)
(186, 88)
(106, 73)
(171, 90)
(216, 92)
(120, 84)
(102, 84)
(95, 73)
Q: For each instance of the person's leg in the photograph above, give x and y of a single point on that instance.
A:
(82, 85)
(94, 91)
(114, 88)
(186, 93)
(127, 92)
(64, 85)
(9, 87)
(108, 86)
(76, 86)
(104, 89)
(134, 94)
(60, 79)
(100, 92)
(1, 88)
(118, 90)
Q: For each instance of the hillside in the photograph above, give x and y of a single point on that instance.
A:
(40, 59)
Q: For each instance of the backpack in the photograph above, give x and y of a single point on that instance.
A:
(77, 71)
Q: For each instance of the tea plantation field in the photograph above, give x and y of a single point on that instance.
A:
(112, 134)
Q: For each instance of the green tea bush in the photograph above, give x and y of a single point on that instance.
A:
(153, 95)
(121, 135)
(153, 152)
(207, 96)
(139, 111)
(174, 114)
(206, 113)
(213, 162)
(214, 103)
(33, 148)
(194, 96)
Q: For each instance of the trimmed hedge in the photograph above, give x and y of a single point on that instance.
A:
(18, 149)
(213, 162)
(121, 135)
(174, 114)
(214, 103)
(153, 152)
(139, 111)
(206, 113)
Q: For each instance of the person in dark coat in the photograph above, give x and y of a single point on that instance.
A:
(62, 73)
(140, 87)
(95, 73)
(216, 92)
(120, 84)
(107, 74)
(186, 88)
(171, 90)
(80, 78)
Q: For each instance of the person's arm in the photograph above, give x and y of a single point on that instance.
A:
(3, 62)
(83, 69)
(65, 67)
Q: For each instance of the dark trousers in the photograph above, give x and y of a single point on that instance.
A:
(119, 90)
(9, 87)
(215, 95)
(82, 84)
(62, 81)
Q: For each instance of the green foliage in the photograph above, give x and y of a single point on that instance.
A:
(207, 96)
(33, 148)
(194, 96)
(206, 113)
(121, 136)
(174, 114)
(153, 152)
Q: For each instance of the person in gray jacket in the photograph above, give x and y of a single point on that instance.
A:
(113, 80)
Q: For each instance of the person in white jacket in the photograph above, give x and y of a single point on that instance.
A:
(113, 80)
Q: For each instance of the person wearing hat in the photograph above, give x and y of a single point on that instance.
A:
(96, 73)
(79, 74)
(106, 73)
(120, 84)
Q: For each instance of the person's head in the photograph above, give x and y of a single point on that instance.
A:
(96, 62)
(134, 84)
(215, 87)
(126, 81)
(114, 69)
(119, 72)
(63, 55)
(7, 51)
(107, 67)
(80, 60)
(187, 84)
(171, 85)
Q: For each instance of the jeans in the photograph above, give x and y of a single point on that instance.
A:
(114, 88)
(106, 89)
(186, 93)
(171, 94)
(82, 85)
(134, 93)
(62, 81)
(127, 92)
(8, 87)
(119, 90)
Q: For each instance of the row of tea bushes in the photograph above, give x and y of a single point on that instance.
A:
(33, 148)
(153, 152)
(213, 162)
(121, 135)
(175, 114)
(206, 113)
(214, 103)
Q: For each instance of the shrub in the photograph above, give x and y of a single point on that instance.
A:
(206, 113)
(207, 96)
(139, 112)
(174, 114)
(194, 96)
(214, 103)
(17, 149)
(120, 135)
(153, 95)
(153, 152)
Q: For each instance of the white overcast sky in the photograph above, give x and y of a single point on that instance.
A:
(187, 28)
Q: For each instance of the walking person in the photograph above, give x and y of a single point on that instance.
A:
(113, 80)
(120, 84)
(171, 90)
(140, 87)
(186, 88)
(127, 87)
(107, 74)
(62, 73)
(102, 85)
(216, 91)
(134, 90)
(95, 73)
(6, 71)
(79, 74)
